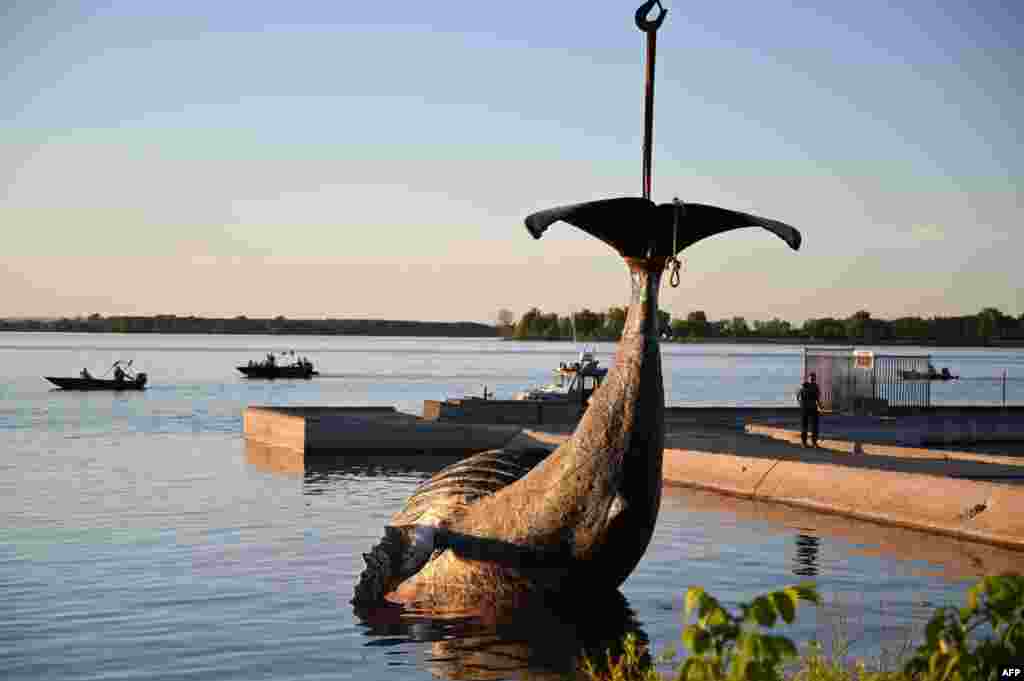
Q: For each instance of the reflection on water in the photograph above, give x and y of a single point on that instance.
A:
(805, 562)
(322, 468)
(544, 642)
(319, 470)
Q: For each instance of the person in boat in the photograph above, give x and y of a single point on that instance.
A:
(809, 397)
(270, 359)
(119, 374)
(85, 374)
(945, 374)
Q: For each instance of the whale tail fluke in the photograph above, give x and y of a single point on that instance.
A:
(703, 221)
(637, 227)
(610, 220)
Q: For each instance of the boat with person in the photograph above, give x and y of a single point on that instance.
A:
(296, 367)
(123, 379)
(571, 378)
(574, 380)
(930, 375)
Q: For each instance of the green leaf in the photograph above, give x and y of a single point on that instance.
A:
(785, 602)
(748, 644)
(951, 667)
(782, 647)
(934, 661)
(807, 591)
(694, 597)
(696, 640)
(998, 593)
(763, 611)
(934, 628)
(716, 618)
(709, 604)
(1015, 583)
(761, 671)
(972, 598)
(702, 643)
(738, 668)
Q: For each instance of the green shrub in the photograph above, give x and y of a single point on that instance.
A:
(723, 645)
(815, 666)
(972, 643)
(633, 665)
(995, 604)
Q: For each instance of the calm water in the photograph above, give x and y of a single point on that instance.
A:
(141, 538)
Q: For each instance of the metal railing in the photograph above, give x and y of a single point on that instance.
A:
(902, 381)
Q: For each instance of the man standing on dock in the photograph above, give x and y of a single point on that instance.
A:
(809, 397)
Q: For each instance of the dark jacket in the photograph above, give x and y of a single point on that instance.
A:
(809, 396)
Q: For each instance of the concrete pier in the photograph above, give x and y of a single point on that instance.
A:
(364, 429)
(876, 470)
(520, 412)
(977, 497)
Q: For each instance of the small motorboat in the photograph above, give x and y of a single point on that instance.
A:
(122, 380)
(79, 383)
(930, 375)
(271, 368)
(571, 381)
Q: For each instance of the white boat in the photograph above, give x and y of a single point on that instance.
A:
(575, 380)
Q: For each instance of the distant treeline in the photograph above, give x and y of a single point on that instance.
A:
(96, 323)
(988, 327)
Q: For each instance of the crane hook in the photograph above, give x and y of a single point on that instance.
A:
(650, 25)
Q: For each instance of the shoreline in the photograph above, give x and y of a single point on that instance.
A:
(409, 329)
(1000, 345)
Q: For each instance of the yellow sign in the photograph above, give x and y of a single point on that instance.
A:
(864, 359)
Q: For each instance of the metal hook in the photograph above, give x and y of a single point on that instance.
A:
(673, 262)
(650, 25)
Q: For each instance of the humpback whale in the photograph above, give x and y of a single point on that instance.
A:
(504, 527)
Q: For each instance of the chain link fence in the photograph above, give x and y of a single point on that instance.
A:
(862, 381)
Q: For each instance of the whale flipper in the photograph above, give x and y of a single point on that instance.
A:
(415, 533)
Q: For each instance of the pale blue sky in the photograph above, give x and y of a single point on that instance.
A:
(377, 159)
